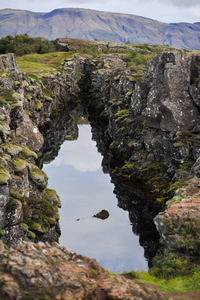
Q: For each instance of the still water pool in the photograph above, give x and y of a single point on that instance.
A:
(76, 174)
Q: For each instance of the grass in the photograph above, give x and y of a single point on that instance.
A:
(52, 62)
(43, 63)
(181, 284)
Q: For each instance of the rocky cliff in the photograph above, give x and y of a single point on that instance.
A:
(148, 131)
(28, 110)
(147, 128)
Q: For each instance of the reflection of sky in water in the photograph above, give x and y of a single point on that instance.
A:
(77, 176)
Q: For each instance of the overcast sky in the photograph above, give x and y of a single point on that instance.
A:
(169, 11)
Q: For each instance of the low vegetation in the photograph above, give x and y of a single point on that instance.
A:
(43, 63)
(187, 283)
(23, 44)
(38, 55)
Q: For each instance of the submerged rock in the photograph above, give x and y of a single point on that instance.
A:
(103, 214)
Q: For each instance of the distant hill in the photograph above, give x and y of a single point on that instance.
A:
(97, 25)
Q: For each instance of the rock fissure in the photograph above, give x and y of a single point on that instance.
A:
(146, 127)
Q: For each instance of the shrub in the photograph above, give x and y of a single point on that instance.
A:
(23, 44)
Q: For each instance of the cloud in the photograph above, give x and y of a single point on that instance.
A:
(178, 3)
(82, 154)
(83, 1)
(184, 3)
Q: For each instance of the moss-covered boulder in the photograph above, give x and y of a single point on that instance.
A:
(4, 175)
(38, 177)
(20, 164)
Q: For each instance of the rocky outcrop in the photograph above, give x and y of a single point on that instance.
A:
(8, 62)
(148, 131)
(70, 44)
(147, 128)
(31, 128)
(44, 271)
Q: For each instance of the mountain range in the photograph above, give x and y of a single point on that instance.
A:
(97, 25)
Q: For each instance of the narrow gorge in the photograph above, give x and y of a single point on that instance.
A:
(147, 128)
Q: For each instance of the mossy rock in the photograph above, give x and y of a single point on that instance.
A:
(69, 138)
(28, 153)
(38, 177)
(7, 157)
(129, 93)
(17, 84)
(120, 130)
(122, 114)
(117, 77)
(186, 166)
(12, 149)
(30, 88)
(51, 195)
(20, 164)
(179, 184)
(174, 200)
(49, 99)
(52, 221)
(17, 104)
(4, 175)
(179, 144)
(17, 97)
(183, 133)
(13, 204)
(2, 232)
(3, 117)
(38, 105)
(31, 235)
(3, 162)
(36, 227)
(28, 97)
(25, 227)
(15, 194)
(6, 97)
(3, 102)
(4, 128)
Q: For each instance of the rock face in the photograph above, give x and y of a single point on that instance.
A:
(147, 128)
(43, 271)
(8, 62)
(27, 110)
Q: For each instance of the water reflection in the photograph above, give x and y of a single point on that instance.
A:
(77, 176)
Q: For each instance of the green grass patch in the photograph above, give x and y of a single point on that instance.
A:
(34, 76)
(43, 63)
(189, 283)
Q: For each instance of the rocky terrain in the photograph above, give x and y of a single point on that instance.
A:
(147, 128)
(97, 25)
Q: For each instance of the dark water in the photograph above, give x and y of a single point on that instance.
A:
(76, 174)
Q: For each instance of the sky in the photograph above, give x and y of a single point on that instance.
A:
(171, 11)
(81, 156)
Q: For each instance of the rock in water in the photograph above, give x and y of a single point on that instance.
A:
(103, 214)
